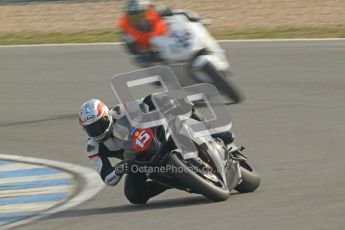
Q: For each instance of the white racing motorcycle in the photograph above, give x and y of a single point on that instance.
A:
(188, 42)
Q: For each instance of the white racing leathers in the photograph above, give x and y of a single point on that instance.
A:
(137, 189)
(99, 153)
(117, 145)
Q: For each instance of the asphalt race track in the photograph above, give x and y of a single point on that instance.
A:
(292, 123)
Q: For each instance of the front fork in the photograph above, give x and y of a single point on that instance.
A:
(232, 165)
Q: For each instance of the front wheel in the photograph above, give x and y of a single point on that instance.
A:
(222, 82)
(250, 178)
(214, 190)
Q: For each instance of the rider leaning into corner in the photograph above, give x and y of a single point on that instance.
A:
(142, 21)
(109, 136)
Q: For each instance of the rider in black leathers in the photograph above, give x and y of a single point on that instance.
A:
(110, 136)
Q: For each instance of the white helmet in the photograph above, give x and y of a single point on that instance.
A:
(135, 6)
(95, 119)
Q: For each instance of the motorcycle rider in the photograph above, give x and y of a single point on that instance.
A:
(106, 129)
(110, 136)
(143, 21)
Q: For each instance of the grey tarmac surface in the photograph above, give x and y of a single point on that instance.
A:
(292, 123)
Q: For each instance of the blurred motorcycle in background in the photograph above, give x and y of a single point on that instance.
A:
(188, 42)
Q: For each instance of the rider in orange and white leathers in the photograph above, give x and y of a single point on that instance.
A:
(141, 22)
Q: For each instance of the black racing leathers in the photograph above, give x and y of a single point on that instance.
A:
(137, 189)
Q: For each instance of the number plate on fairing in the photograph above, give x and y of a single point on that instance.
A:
(142, 139)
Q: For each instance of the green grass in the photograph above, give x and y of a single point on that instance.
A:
(113, 36)
(46, 38)
(262, 33)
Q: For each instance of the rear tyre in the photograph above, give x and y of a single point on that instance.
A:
(250, 178)
(195, 182)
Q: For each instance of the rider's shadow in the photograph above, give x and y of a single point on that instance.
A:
(128, 208)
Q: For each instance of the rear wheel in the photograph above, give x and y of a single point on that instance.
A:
(250, 178)
(208, 185)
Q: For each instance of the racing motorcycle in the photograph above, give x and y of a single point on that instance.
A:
(213, 176)
(218, 169)
(188, 42)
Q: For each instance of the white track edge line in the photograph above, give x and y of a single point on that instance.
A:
(93, 185)
(222, 41)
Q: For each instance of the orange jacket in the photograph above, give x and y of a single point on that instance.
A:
(159, 27)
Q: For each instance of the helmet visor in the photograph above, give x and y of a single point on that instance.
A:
(98, 128)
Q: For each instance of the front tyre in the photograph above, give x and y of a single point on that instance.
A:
(224, 83)
(208, 73)
(250, 178)
(195, 182)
